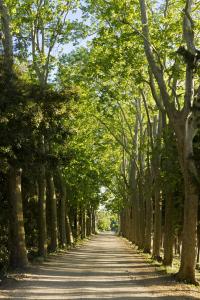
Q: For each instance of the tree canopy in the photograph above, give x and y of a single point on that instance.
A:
(99, 105)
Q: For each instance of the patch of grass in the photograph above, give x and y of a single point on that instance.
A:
(159, 267)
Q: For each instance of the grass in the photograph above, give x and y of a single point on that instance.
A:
(159, 267)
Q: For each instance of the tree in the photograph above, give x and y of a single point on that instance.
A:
(18, 255)
(182, 122)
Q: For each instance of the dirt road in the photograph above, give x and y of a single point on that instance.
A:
(106, 267)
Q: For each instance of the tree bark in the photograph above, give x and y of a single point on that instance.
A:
(69, 234)
(42, 222)
(53, 212)
(83, 223)
(188, 255)
(76, 224)
(141, 218)
(198, 243)
(63, 193)
(168, 232)
(122, 222)
(137, 218)
(148, 227)
(189, 236)
(17, 247)
(42, 227)
(93, 221)
(7, 40)
(132, 233)
(157, 225)
(157, 237)
(89, 223)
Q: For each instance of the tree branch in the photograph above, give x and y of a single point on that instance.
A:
(188, 33)
(148, 118)
(157, 72)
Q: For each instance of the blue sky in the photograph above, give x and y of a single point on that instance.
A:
(67, 48)
(78, 16)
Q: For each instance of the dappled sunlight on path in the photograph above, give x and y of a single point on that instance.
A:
(104, 268)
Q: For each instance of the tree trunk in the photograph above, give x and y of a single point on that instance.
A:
(69, 234)
(63, 193)
(137, 219)
(128, 221)
(185, 134)
(93, 222)
(42, 228)
(83, 223)
(17, 247)
(180, 234)
(122, 222)
(168, 232)
(89, 223)
(157, 225)
(141, 219)
(53, 212)
(198, 243)
(132, 233)
(188, 255)
(148, 227)
(157, 237)
(76, 224)
(189, 236)
(7, 41)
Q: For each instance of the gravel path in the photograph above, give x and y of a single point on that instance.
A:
(105, 267)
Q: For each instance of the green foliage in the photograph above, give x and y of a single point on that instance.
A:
(106, 221)
(94, 107)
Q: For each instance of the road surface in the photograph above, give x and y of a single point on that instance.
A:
(105, 267)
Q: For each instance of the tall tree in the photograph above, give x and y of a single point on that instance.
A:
(183, 122)
(18, 253)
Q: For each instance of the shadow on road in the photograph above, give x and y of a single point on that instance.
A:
(104, 268)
